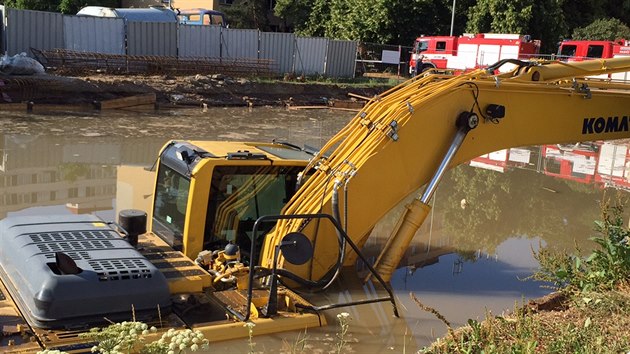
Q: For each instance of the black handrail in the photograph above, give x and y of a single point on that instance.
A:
(266, 218)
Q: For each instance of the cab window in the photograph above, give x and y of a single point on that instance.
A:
(595, 51)
(171, 201)
(239, 195)
(421, 46)
(567, 50)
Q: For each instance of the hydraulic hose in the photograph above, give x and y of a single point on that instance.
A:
(332, 275)
(342, 242)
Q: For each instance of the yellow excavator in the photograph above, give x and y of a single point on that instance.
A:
(235, 227)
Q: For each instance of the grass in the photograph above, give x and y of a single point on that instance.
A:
(590, 311)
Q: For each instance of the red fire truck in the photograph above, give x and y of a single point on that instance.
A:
(580, 50)
(469, 51)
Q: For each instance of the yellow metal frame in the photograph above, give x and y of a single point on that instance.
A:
(545, 103)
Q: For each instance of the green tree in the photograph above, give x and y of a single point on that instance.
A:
(64, 6)
(37, 5)
(542, 19)
(410, 19)
(295, 12)
(616, 8)
(248, 14)
(316, 23)
(500, 16)
(608, 29)
(382, 21)
(579, 13)
(548, 24)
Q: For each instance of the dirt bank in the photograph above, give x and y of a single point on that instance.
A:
(212, 90)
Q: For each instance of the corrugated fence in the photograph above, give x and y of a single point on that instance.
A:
(93, 34)
(27, 29)
(152, 38)
(33, 29)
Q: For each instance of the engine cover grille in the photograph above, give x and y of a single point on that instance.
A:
(113, 277)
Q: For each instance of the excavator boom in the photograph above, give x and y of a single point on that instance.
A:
(408, 136)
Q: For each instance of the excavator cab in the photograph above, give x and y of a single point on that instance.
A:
(234, 189)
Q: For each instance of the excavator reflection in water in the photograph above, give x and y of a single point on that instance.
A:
(235, 226)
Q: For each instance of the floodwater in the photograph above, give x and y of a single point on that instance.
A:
(471, 256)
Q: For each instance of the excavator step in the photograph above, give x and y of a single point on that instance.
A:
(236, 300)
(182, 274)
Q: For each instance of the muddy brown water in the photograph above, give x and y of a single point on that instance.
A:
(471, 256)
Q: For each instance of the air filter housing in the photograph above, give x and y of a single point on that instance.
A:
(112, 276)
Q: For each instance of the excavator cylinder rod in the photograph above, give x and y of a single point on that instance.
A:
(466, 122)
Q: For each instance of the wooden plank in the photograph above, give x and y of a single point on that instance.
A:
(46, 108)
(306, 107)
(358, 96)
(347, 104)
(137, 100)
(15, 107)
(141, 108)
(323, 107)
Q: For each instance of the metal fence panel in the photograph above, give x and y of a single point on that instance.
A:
(152, 38)
(279, 47)
(33, 29)
(2, 42)
(239, 43)
(199, 41)
(310, 55)
(94, 34)
(340, 58)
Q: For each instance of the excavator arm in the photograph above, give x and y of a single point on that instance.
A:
(409, 136)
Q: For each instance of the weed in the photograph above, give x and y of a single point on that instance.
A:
(606, 267)
(344, 324)
(596, 286)
(128, 337)
(299, 345)
(250, 336)
(177, 341)
(118, 337)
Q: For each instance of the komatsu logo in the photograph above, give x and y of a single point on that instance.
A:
(605, 125)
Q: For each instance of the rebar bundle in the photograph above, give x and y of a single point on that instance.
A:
(81, 62)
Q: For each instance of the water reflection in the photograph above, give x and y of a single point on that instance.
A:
(468, 257)
(72, 162)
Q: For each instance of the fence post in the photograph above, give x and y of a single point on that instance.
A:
(399, 53)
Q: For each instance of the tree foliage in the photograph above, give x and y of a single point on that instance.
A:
(64, 6)
(32, 5)
(500, 16)
(296, 12)
(542, 19)
(382, 21)
(400, 22)
(608, 29)
(248, 14)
